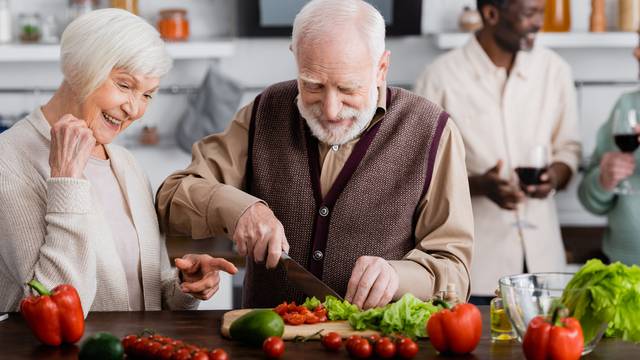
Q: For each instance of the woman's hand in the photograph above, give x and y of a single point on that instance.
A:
(615, 167)
(71, 145)
(200, 276)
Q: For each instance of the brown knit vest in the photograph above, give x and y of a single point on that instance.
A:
(372, 206)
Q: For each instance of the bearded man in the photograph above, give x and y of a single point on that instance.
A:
(363, 184)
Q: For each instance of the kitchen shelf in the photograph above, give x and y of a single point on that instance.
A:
(556, 40)
(193, 49)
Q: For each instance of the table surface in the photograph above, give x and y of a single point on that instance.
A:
(203, 328)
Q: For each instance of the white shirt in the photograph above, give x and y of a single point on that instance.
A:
(501, 117)
(104, 183)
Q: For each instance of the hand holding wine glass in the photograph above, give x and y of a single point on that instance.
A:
(625, 135)
(537, 179)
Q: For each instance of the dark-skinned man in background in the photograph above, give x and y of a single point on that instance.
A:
(509, 98)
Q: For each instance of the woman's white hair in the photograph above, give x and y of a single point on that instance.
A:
(319, 18)
(102, 40)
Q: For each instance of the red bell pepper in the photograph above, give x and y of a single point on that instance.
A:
(456, 330)
(558, 339)
(54, 316)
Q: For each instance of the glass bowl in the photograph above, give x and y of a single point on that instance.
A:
(526, 296)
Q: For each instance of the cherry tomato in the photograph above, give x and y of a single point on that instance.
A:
(351, 342)
(385, 348)
(166, 351)
(296, 319)
(373, 338)
(273, 347)
(218, 354)
(139, 346)
(332, 341)
(200, 355)
(182, 354)
(152, 349)
(310, 318)
(177, 343)
(407, 349)
(361, 349)
(282, 308)
(127, 343)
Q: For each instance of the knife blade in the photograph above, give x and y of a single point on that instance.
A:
(305, 280)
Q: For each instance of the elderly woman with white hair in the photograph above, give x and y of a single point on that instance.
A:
(79, 210)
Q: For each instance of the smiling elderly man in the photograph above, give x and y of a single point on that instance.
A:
(364, 185)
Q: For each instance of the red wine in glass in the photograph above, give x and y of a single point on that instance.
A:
(530, 175)
(627, 142)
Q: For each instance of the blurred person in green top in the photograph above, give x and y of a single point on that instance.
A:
(608, 168)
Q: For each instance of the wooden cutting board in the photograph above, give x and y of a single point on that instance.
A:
(290, 331)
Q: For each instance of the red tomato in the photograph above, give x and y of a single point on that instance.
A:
(139, 346)
(296, 319)
(310, 318)
(273, 347)
(373, 338)
(407, 348)
(127, 343)
(182, 354)
(361, 349)
(385, 348)
(332, 341)
(281, 309)
(351, 342)
(200, 355)
(166, 351)
(152, 348)
(292, 307)
(177, 343)
(218, 354)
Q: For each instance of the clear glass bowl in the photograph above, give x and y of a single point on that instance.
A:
(529, 295)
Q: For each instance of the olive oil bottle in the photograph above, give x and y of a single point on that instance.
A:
(501, 329)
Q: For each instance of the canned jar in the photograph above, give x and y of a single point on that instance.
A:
(173, 24)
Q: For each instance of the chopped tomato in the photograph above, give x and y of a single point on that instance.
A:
(310, 318)
(293, 314)
(282, 308)
(296, 319)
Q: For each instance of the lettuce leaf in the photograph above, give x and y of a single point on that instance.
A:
(311, 303)
(600, 293)
(337, 309)
(407, 316)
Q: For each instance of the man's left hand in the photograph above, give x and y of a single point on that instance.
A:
(548, 185)
(200, 276)
(373, 283)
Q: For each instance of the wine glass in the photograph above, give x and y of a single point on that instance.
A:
(529, 172)
(626, 139)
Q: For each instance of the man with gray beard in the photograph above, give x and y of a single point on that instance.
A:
(363, 184)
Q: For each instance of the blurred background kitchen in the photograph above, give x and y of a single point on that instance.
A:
(244, 44)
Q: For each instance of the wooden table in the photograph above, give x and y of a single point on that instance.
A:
(203, 328)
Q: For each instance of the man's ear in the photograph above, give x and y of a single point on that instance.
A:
(490, 15)
(383, 68)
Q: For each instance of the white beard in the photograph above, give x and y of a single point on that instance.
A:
(339, 134)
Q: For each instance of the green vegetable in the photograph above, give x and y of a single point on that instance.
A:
(407, 316)
(600, 293)
(311, 303)
(101, 346)
(337, 309)
(257, 325)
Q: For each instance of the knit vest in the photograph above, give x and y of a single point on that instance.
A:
(371, 208)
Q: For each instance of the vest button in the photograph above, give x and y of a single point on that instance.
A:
(318, 255)
(324, 211)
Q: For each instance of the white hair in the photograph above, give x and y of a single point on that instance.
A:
(319, 18)
(102, 40)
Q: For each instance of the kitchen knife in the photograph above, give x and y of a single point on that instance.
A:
(305, 280)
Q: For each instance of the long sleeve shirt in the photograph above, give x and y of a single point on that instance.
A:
(621, 242)
(208, 198)
(502, 117)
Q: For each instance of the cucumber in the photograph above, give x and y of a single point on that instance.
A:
(255, 326)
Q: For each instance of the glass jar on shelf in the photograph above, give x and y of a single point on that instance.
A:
(129, 5)
(30, 27)
(173, 24)
(5, 21)
(557, 16)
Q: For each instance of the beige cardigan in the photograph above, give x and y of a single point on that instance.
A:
(54, 230)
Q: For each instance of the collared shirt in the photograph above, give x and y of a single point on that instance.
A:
(206, 199)
(502, 117)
